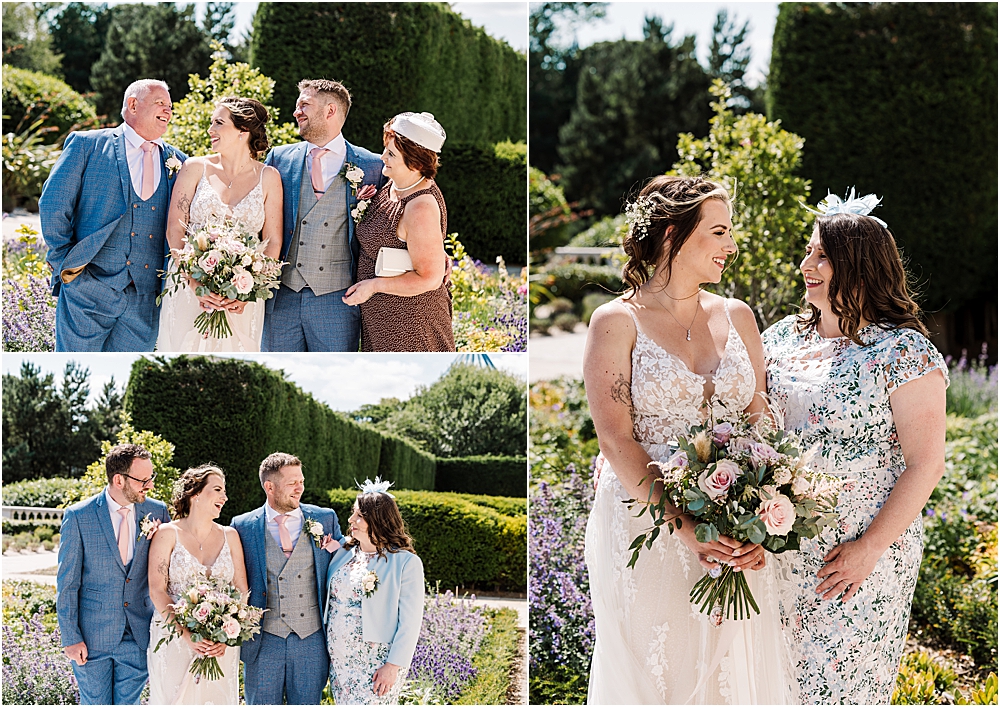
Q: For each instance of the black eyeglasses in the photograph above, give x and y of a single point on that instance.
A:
(143, 482)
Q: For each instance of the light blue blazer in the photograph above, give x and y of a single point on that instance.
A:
(395, 612)
(95, 592)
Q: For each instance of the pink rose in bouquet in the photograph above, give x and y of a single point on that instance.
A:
(716, 482)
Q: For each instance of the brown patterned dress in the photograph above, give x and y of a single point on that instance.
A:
(393, 322)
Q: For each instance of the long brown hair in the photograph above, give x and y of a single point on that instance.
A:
(671, 202)
(386, 528)
(869, 280)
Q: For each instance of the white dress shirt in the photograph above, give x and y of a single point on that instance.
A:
(332, 161)
(116, 521)
(133, 155)
(293, 525)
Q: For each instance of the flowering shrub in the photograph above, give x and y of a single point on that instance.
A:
(973, 389)
(490, 310)
(29, 309)
(35, 671)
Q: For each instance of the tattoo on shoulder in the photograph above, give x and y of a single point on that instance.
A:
(621, 392)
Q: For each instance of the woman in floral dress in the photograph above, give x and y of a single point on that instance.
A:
(857, 378)
(376, 603)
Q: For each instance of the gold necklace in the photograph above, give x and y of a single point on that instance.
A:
(681, 299)
(697, 306)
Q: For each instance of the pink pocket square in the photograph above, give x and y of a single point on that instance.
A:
(329, 544)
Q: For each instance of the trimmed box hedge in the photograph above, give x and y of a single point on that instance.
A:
(491, 476)
(235, 412)
(461, 543)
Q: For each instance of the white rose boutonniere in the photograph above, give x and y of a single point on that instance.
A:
(354, 176)
(172, 163)
(148, 526)
(369, 584)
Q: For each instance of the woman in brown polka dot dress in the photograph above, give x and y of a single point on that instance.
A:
(412, 311)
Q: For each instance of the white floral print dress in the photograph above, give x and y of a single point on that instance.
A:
(353, 661)
(835, 394)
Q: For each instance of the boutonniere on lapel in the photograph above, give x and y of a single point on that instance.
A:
(369, 584)
(172, 163)
(354, 176)
(148, 526)
(314, 529)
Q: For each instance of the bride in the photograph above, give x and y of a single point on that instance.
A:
(229, 184)
(191, 546)
(654, 360)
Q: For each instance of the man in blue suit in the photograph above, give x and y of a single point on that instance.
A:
(287, 547)
(102, 598)
(321, 184)
(104, 214)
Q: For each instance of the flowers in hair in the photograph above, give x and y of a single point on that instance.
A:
(638, 214)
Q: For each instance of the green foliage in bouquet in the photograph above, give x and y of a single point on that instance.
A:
(757, 161)
(188, 129)
(461, 542)
(160, 450)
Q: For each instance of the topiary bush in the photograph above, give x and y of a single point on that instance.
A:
(484, 190)
(235, 413)
(29, 95)
(493, 476)
(461, 543)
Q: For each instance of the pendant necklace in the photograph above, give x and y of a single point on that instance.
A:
(696, 308)
(241, 171)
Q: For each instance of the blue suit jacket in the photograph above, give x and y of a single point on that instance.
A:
(86, 196)
(95, 591)
(289, 161)
(394, 613)
(252, 527)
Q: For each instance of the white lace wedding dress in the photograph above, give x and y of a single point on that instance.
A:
(179, 310)
(170, 682)
(653, 645)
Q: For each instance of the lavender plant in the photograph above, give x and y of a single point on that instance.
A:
(973, 389)
(29, 309)
(35, 671)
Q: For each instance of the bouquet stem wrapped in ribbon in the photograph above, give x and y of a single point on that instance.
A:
(214, 611)
(748, 481)
(227, 260)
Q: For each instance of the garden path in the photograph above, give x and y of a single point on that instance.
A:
(20, 566)
(559, 354)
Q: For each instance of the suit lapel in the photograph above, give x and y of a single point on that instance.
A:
(298, 163)
(103, 516)
(122, 159)
(260, 539)
(349, 195)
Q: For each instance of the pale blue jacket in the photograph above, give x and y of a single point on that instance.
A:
(395, 612)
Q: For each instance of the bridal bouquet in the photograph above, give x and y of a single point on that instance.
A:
(749, 482)
(224, 259)
(215, 611)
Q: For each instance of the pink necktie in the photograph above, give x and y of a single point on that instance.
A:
(319, 186)
(147, 170)
(286, 539)
(123, 534)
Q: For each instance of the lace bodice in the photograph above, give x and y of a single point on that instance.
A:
(208, 207)
(185, 568)
(668, 397)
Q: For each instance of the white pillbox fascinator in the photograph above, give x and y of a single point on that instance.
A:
(421, 128)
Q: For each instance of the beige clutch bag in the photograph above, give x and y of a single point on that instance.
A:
(392, 262)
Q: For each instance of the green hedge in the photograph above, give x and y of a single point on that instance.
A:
(395, 57)
(485, 190)
(575, 280)
(28, 94)
(900, 99)
(235, 413)
(492, 476)
(461, 543)
(39, 493)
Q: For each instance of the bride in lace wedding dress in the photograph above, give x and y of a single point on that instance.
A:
(192, 547)
(204, 193)
(655, 362)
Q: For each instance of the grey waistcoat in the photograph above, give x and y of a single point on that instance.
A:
(319, 256)
(291, 590)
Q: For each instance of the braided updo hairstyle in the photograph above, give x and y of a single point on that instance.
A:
(249, 116)
(190, 484)
(667, 202)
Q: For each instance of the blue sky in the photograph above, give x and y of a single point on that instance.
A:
(342, 381)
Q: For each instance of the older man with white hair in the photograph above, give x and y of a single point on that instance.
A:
(103, 212)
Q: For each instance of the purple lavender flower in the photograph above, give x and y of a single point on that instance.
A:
(29, 315)
(450, 636)
(35, 671)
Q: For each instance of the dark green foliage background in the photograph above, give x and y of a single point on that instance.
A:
(493, 476)
(29, 94)
(395, 57)
(485, 190)
(461, 541)
(235, 413)
(900, 99)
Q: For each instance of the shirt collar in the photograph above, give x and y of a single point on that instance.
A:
(272, 514)
(113, 504)
(337, 145)
(136, 140)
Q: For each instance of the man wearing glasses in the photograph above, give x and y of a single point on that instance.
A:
(102, 598)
